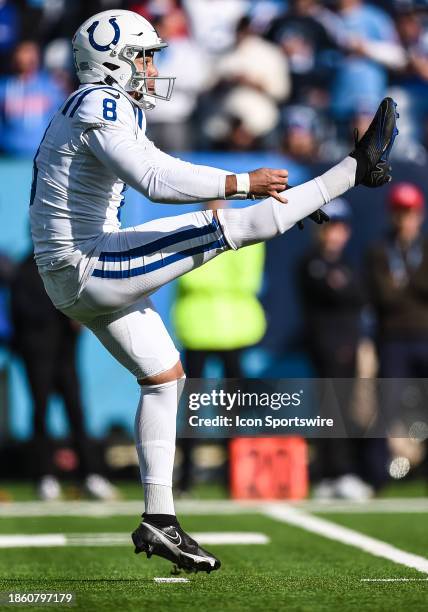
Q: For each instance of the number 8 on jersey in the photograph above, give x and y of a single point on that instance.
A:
(109, 109)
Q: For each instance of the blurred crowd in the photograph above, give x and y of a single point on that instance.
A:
(338, 340)
(291, 75)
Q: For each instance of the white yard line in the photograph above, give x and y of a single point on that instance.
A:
(123, 508)
(48, 540)
(394, 579)
(33, 541)
(327, 529)
(168, 580)
(230, 537)
(205, 507)
(415, 505)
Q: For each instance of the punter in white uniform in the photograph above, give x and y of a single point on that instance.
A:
(102, 275)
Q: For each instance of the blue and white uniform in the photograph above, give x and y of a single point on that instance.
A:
(93, 270)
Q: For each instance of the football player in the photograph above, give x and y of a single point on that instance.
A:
(102, 275)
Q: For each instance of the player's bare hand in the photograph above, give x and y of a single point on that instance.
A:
(266, 182)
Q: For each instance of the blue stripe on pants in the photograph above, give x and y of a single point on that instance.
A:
(158, 245)
(156, 265)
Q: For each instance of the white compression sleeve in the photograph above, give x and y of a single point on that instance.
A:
(270, 218)
(155, 427)
(159, 176)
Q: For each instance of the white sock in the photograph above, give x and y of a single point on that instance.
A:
(158, 499)
(270, 218)
(155, 426)
(339, 179)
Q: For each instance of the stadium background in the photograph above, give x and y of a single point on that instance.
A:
(277, 356)
(232, 142)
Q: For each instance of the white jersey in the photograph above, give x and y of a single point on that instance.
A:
(94, 146)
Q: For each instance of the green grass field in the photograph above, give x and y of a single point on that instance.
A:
(296, 571)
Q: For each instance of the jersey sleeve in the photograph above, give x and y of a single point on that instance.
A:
(104, 107)
(109, 130)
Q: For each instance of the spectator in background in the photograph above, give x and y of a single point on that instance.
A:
(301, 34)
(308, 137)
(217, 314)
(410, 85)
(58, 61)
(299, 135)
(9, 32)
(368, 38)
(332, 296)
(398, 282)
(252, 80)
(142, 7)
(152, 9)
(169, 125)
(231, 133)
(214, 22)
(6, 275)
(28, 98)
(263, 12)
(332, 300)
(46, 340)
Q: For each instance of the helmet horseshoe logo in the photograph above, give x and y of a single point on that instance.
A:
(115, 40)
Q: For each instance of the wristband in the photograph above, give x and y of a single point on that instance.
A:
(242, 187)
(243, 184)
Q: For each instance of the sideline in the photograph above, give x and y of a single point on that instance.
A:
(204, 507)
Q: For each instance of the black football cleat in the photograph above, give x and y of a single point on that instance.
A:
(372, 151)
(175, 545)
